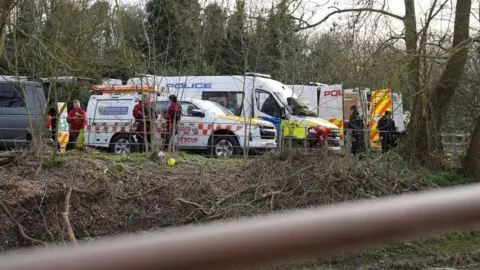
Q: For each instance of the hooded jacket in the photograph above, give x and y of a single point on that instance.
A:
(75, 124)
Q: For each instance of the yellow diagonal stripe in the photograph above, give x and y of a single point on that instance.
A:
(380, 98)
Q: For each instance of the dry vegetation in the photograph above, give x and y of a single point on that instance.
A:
(98, 195)
(80, 197)
(115, 195)
(112, 195)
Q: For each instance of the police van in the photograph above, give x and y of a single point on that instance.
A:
(204, 125)
(252, 95)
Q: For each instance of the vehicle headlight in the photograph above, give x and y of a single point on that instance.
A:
(266, 126)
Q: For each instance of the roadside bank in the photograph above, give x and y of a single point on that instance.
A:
(124, 194)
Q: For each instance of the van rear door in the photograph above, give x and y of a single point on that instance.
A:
(108, 116)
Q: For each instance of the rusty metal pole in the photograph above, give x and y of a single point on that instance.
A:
(277, 238)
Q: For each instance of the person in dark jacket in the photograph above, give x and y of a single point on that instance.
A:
(386, 127)
(76, 121)
(172, 117)
(143, 113)
(356, 126)
(52, 125)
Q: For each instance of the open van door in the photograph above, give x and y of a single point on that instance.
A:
(380, 101)
(350, 98)
(398, 114)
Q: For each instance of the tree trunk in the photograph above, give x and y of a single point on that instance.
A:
(3, 34)
(441, 96)
(5, 9)
(472, 159)
(414, 147)
(411, 43)
(428, 113)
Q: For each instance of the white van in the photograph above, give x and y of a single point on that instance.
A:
(246, 96)
(333, 104)
(204, 125)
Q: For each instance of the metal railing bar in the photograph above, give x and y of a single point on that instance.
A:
(300, 234)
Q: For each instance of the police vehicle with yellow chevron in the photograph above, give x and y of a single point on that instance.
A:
(252, 95)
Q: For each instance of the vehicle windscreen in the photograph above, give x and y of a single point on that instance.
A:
(16, 95)
(297, 106)
(301, 107)
(11, 95)
(283, 96)
(219, 109)
(161, 107)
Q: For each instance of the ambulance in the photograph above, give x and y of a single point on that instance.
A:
(333, 104)
(204, 125)
(247, 96)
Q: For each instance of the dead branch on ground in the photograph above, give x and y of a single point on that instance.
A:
(142, 194)
(19, 226)
(70, 235)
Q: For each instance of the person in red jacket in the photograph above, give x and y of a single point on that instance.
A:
(143, 113)
(172, 117)
(76, 122)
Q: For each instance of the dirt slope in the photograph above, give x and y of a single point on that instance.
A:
(112, 195)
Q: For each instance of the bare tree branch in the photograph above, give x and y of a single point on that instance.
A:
(69, 231)
(19, 226)
(339, 11)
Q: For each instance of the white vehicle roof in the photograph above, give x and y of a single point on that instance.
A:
(188, 85)
(12, 78)
(111, 81)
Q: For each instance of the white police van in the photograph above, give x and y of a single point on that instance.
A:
(247, 96)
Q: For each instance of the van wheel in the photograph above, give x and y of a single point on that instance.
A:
(121, 144)
(225, 146)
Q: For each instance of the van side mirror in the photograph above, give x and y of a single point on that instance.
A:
(289, 101)
(283, 113)
(197, 113)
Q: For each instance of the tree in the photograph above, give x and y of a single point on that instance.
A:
(429, 104)
(172, 28)
(233, 53)
(430, 109)
(472, 158)
(6, 8)
(213, 27)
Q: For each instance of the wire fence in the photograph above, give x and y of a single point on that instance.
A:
(211, 138)
(220, 138)
(456, 144)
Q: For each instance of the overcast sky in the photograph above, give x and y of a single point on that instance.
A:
(320, 8)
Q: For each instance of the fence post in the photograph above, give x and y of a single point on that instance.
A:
(306, 137)
(213, 153)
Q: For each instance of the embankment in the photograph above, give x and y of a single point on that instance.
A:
(113, 195)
